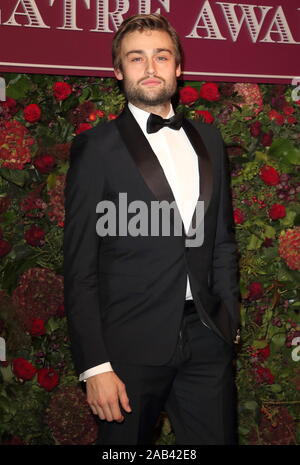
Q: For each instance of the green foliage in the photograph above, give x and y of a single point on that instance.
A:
(255, 137)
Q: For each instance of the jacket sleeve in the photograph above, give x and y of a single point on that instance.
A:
(83, 190)
(225, 257)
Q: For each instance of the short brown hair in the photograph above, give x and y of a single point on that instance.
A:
(141, 23)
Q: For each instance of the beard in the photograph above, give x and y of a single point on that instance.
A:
(137, 95)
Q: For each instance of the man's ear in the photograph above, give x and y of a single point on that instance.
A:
(178, 70)
(118, 73)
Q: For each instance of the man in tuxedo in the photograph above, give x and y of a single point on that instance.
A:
(153, 318)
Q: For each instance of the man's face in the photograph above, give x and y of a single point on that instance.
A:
(149, 71)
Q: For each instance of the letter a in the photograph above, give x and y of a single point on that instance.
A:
(32, 13)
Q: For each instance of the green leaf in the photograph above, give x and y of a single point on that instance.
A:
(243, 314)
(251, 405)
(17, 177)
(85, 94)
(269, 231)
(70, 102)
(244, 430)
(254, 242)
(297, 219)
(293, 157)
(288, 220)
(18, 87)
(259, 344)
(52, 325)
(63, 169)
(279, 339)
(7, 373)
(51, 179)
(284, 275)
(276, 388)
(261, 156)
(284, 150)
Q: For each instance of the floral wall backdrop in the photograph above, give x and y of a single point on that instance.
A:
(41, 400)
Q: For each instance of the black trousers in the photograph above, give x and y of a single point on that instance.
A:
(196, 388)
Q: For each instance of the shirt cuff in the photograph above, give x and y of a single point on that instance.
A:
(103, 368)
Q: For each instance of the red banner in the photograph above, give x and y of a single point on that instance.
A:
(223, 41)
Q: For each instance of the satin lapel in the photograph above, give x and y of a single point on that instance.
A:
(205, 167)
(143, 156)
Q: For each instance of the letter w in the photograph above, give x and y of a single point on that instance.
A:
(248, 16)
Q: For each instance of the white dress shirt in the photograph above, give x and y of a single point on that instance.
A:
(180, 165)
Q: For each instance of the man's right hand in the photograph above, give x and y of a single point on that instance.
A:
(105, 393)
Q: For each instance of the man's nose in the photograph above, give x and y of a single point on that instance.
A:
(150, 66)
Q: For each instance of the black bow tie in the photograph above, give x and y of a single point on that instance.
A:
(155, 122)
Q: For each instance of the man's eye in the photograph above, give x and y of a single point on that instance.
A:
(136, 59)
(162, 58)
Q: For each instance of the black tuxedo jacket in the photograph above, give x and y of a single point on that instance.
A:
(124, 295)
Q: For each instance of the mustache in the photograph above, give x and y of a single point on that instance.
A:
(151, 77)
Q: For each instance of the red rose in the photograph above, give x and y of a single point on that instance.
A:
(5, 247)
(100, 113)
(83, 127)
(35, 236)
(111, 116)
(264, 375)
(291, 120)
(44, 163)
(206, 115)
(255, 129)
(9, 103)
(238, 216)
(264, 353)
(267, 138)
(38, 327)
(269, 175)
(23, 369)
(61, 90)
(277, 117)
(32, 113)
(188, 95)
(48, 378)
(277, 211)
(255, 290)
(288, 110)
(210, 91)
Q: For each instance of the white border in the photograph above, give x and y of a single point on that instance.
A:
(93, 68)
